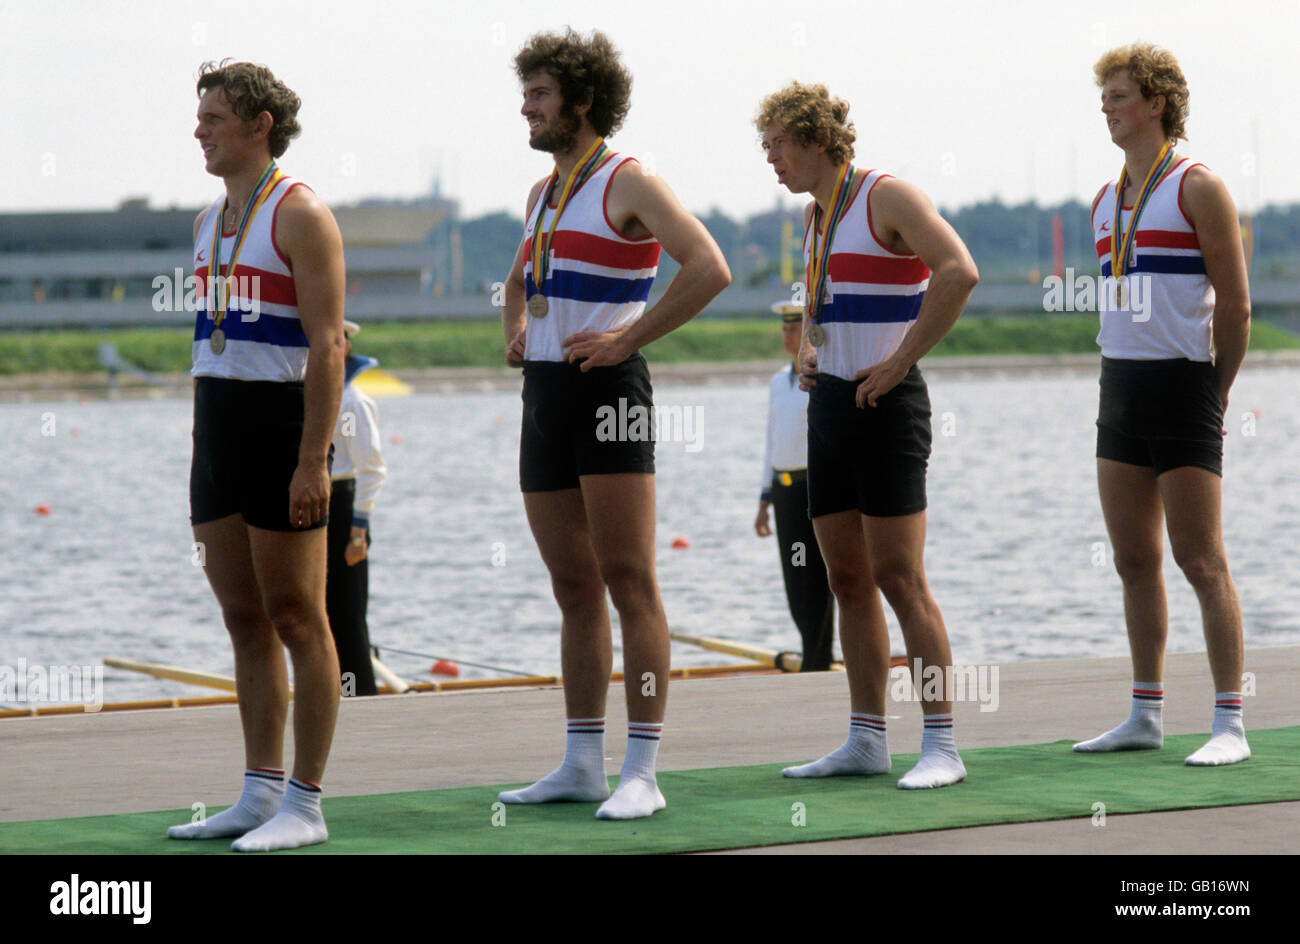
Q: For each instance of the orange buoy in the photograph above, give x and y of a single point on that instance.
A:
(681, 543)
(76, 431)
(397, 439)
(443, 667)
(42, 509)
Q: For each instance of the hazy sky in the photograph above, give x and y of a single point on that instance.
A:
(969, 100)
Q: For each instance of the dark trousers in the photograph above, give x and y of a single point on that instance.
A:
(811, 602)
(346, 591)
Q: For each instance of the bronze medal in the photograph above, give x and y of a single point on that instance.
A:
(538, 306)
(217, 341)
(816, 334)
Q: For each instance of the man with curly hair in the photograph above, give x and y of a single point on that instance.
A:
(575, 319)
(1168, 225)
(269, 258)
(886, 278)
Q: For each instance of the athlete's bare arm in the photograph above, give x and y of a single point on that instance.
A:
(641, 204)
(1214, 217)
(904, 220)
(513, 320)
(305, 232)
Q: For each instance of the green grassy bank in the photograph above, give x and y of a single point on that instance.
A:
(479, 344)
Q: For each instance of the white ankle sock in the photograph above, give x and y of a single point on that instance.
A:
(940, 764)
(865, 752)
(638, 793)
(1144, 728)
(580, 778)
(298, 823)
(263, 789)
(1227, 743)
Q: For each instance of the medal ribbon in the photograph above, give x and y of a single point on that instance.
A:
(818, 267)
(261, 190)
(585, 167)
(1121, 243)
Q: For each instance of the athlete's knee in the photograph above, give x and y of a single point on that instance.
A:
(1204, 568)
(631, 587)
(297, 620)
(1138, 566)
(901, 583)
(577, 592)
(849, 586)
(245, 620)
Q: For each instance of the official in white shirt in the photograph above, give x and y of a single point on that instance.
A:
(785, 487)
(357, 475)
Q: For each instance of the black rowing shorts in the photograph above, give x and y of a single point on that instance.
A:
(575, 424)
(869, 458)
(1161, 414)
(246, 438)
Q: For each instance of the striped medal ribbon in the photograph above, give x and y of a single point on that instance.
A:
(261, 191)
(1121, 243)
(817, 272)
(586, 166)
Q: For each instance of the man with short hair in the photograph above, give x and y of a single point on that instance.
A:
(269, 258)
(575, 319)
(886, 278)
(1171, 259)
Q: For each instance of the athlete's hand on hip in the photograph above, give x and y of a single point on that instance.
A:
(808, 368)
(878, 381)
(309, 494)
(515, 351)
(595, 349)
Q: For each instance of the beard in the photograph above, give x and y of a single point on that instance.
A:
(559, 136)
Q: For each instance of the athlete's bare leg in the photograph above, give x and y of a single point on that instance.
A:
(896, 546)
(1193, 503)
(559, 524)
(621, 514)
(558, 521)
(897, 551)
(261, 680)
(1130, 503)
(864, 634)
(864, 639)
(270, 586)
(290, 569)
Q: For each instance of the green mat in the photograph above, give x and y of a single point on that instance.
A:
(732, 807)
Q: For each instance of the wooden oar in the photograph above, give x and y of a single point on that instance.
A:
(175, 674)
(785, 661)
(390, 678)
(227, 684)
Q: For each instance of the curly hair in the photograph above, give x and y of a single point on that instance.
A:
(588, 72)
(252, 89)
(810, 114)
(1155, 71)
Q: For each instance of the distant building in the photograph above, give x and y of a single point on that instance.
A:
(102, 268)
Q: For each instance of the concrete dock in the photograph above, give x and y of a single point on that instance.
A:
(135, 761)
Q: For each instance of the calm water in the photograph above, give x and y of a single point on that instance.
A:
(1014, 529)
